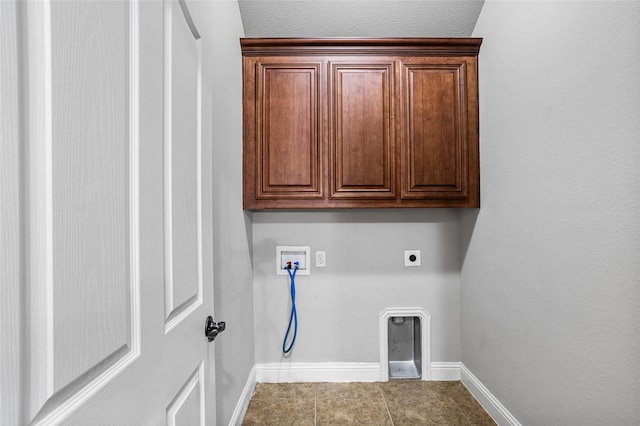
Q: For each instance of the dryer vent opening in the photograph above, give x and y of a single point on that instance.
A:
(405, 355)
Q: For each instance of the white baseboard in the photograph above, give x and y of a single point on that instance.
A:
(490, 403)
(243, 401)
(340, 372)
(318, 372)
(445, 371)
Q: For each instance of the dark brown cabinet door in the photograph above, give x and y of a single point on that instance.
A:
(439, 137)
(287, 156)
(362, 133)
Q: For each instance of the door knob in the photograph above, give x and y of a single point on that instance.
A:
(212, 328)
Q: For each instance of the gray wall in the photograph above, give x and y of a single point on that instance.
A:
(550, 275)
(338, 306)
(548, 290)
(232, 227)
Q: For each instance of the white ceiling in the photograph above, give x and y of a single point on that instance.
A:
(359, 18)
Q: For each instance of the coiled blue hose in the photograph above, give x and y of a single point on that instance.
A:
(293, 318)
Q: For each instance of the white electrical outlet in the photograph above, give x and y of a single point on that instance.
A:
(300, 254)
(321, 259)
(412, 258)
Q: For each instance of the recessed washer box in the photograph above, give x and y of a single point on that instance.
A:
(300, 254)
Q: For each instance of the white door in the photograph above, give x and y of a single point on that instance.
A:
(107, 266)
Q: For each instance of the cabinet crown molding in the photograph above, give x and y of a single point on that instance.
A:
(368, 46)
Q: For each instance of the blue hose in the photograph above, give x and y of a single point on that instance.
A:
(293, 318)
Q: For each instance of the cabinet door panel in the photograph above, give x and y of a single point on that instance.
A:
(361, 149)
(434, 158)
(288, 150)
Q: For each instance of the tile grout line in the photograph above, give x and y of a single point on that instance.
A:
(384, 399)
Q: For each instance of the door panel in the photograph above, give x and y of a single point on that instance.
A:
(83, 246)
(188, 406)
(182, 171)
(117, 216)
(91, 193)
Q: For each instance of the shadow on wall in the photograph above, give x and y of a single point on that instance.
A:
(356, 216)
(248, 226)
(468, 219)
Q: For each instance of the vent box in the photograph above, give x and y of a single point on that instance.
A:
(405, 348)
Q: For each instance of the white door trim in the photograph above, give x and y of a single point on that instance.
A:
(11, 215)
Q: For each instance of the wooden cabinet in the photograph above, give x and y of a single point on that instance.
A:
(360, 123)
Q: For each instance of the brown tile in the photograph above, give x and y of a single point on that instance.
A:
(473, 411)
(480, 419)
(272, 391)
(420, 411)
(364, 412)
(409, 388)
(280, 412)
(348, 390)
(409, 402)
(450, 388)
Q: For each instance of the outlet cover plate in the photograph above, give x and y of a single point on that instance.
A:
(300, 254)
(407, 258)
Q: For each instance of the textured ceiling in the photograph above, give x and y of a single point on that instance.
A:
(359, 18)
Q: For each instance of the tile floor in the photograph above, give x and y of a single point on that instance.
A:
(393, 403)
